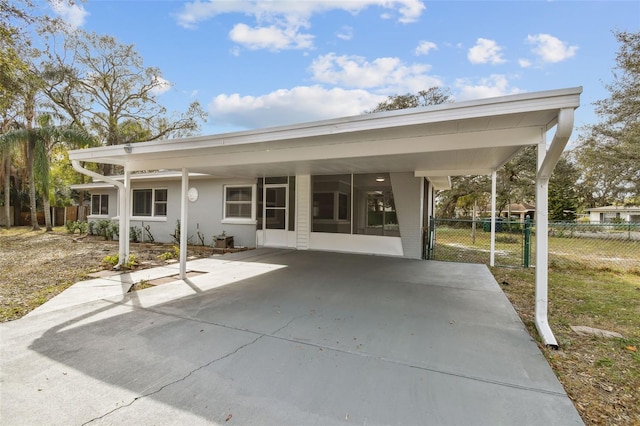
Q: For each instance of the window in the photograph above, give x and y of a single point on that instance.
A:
(150, 202)
(99, 204)
(354, 204)
(239, 203)
(331, 204)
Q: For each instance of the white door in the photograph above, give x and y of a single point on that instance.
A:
(275, 215)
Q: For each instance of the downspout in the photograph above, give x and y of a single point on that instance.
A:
(547, 160)
(123, 246)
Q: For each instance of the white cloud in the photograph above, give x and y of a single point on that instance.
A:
(271, 37)
(485, 51)
(550, 48)
(279, 23)
(73, 14)
(489, 87)
(524, 63)
(384, 75)
(288, 106)
(161, 85)
(425, 47)
(345, 33)
(292, 11)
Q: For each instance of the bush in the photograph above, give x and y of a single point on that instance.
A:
(113, 260)
(135, 234)
(73, 226)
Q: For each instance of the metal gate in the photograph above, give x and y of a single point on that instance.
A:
(469, 241)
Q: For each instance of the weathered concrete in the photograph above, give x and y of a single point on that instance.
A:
(286, 337)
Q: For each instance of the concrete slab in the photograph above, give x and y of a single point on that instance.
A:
(286, 337)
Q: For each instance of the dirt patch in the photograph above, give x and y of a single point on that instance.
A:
(37, 265)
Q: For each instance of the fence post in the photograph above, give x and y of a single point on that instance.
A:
(431, 237)
(527, 243)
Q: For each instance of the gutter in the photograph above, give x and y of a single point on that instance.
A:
(547, 160)
(122, 246)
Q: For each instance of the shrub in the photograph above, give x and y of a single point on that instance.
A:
(113, 260)
(134, 234)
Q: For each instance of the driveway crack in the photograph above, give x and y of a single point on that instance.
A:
(181, 379)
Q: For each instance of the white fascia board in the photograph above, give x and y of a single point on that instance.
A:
(527, 102)
(323, 151)
(440, 182)
(452, 172)
(90, 186)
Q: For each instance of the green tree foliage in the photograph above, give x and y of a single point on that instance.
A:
(563, 196)
(609, 152)
(40, 142)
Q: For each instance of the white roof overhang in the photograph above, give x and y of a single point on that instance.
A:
(473, 137)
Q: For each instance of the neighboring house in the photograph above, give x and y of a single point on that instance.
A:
(514, 211)
(362, 184)
(614, 213)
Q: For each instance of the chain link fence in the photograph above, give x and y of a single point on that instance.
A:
(614, 247)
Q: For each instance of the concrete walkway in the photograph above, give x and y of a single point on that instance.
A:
(285, 337)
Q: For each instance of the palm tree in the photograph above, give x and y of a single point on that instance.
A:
(38, 142)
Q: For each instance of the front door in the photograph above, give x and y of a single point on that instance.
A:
(275, 215)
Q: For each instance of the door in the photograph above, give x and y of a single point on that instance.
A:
(275, 215)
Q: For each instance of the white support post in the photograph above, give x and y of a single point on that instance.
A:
(184, 202)
(125, 215)
(492, 256)
(122, 243)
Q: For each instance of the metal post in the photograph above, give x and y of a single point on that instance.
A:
(527, 243)
(492, 256)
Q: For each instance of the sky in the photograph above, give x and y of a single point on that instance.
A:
(254, 64)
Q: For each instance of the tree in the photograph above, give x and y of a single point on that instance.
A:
(609, 152)
(105, 89)
(563, 197)
(39, 142)
(431, 96)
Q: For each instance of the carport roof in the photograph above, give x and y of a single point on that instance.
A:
(472, 137)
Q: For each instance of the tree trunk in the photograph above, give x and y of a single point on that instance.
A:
(32, 190)
(7, 185)
(47, 211)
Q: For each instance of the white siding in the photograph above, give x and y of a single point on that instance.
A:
(406, 193)
(303, 211)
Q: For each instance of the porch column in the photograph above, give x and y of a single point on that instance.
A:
(125, 215)
(492, 255)
(184, 202)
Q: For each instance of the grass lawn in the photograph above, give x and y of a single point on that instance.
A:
(602, 376)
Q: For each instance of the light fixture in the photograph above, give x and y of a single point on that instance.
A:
(127, 148)
(379, 179)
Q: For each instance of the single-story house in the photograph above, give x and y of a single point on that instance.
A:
(361, 184)
(610, 214)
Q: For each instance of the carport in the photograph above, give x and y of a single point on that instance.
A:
(418, 148)
(286, 337)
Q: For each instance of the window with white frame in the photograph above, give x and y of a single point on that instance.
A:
(239, 202)
(149, 202)
(99, 204)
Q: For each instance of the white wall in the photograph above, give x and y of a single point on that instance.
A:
(205, 214)
(406, 193)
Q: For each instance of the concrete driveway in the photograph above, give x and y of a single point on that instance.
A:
(273, 337)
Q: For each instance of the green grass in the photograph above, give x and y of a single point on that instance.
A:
(602, 376)
(605, 253)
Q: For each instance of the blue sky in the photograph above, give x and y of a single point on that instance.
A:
(254, 64)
